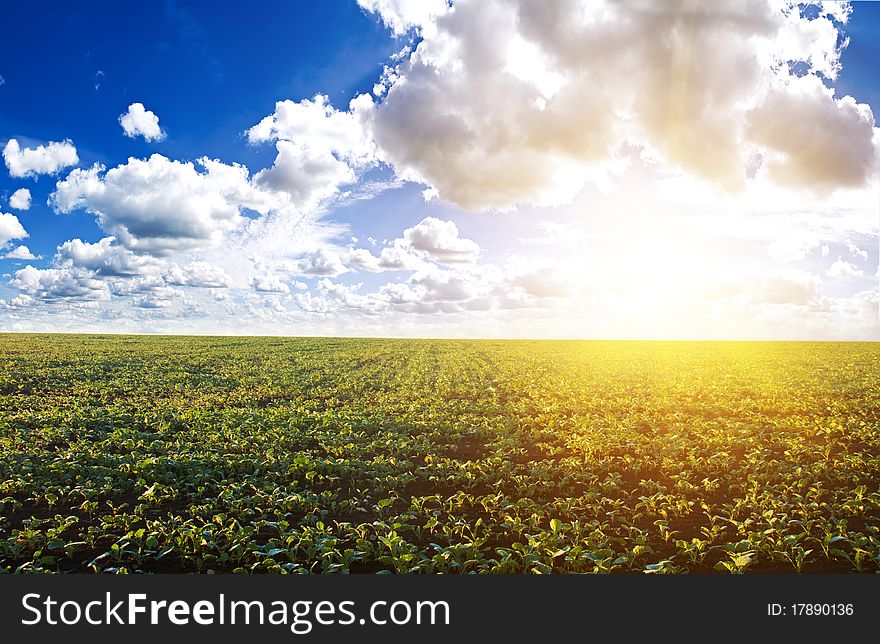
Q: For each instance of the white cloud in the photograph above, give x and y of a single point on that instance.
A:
(431, 239)
(346, 297)
(544, 281)
(793, 249)
(20, 252)
(307, 176)
(319, 147)
(814, 42)
(402, 15)
(160, 297)
(788, 286)
(104, 258)
(312, 303)
(843, 269)
(395, 257)
(20, 199)
(138, 121)
(54, 284)
(439, 240)
(814, 141)
(318, 125)
(159, 205)
(855, 251)
(197, 274)
(321, 262)
(705, 86)
(10, 228)
(42, 159)
(267, 283)
(364, 260)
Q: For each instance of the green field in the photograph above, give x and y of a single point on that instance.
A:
(196, 454)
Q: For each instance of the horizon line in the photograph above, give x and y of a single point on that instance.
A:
(146, 334)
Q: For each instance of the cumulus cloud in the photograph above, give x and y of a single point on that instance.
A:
(321, 262)
(42, 159)
(307, 176)
(843, 269)
(54, 284)
(319, 147)
(345, 297)
(10, 228)
(440, 241)
(104, 258)
(197, 274)
(267, 283)
(159, 205)
(312, 303)
(138, 121)
(402, 15)
(20, 252)
(161, 297)
(395, 257)
(431, 239)
(814, 140)
(439, 290)
(705, 86)
(20, 199)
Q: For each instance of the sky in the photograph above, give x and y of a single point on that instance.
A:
(424, 168)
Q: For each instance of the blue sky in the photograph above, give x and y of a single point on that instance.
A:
(490, 177)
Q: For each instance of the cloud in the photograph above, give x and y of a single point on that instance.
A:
(197, 274)
(788, 286)
(402, 15)
(322, 262)
(439, 290)
(792, 249)
(312, 303)
(706, 87)
(545, 281)
(162, 297)
(54, 284)
(815, 141)
(395, 257)
(138, 121)
(346, 296)
(42, 159)
(159, 205)
(20, 199)
(103, 258)
(431, 239)
(843, 269)
(855, 251)
(319, 147)
(20, 252)
(267, 283)
(307, 176)
(439, 240)
(10, 228)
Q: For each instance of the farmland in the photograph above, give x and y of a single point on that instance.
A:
(196, 454)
